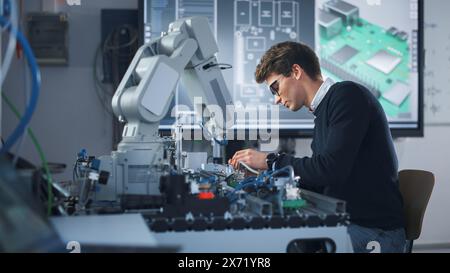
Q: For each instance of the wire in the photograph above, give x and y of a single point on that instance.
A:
(288, 169)
(14, 21)
(133, 40)
(221, 66)
(224, 66)
(36, 80)
(223, 142)
(7, 63)
(259, 181)
(100, 91)
(97, 79)
(248, 182)
(38, 149)
(249, 168)
(22, 139)
(103, 94)
(74, 171)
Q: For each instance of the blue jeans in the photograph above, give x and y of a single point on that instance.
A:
(374, 240)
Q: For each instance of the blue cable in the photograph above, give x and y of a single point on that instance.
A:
(284, 170)
(257, 181)
(224, 142)
(7, 8)
(36, 81)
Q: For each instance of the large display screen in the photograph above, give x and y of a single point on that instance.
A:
(377, 43)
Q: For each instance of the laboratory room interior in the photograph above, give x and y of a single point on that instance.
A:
(224, 126)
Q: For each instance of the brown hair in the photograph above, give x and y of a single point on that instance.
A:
(281, 57)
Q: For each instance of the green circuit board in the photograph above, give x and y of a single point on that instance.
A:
(349, 52)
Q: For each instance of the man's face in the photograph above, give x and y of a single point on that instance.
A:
(287, 91)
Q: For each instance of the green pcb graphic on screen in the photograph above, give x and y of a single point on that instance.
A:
(352, 48)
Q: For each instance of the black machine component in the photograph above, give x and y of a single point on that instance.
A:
(201, 215)
(319, 245)
(216, 207)
(103, 177)
(141, 202)
(165, 224)
(179, 202)
(174, 188)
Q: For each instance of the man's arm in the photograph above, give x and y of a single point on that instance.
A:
(252, 158)
(349, 119)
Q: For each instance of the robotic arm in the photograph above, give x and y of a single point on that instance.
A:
(143, 97)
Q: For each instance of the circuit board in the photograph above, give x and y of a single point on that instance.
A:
(259, 25)
(371, 55)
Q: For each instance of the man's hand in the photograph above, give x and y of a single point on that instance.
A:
(254, 159)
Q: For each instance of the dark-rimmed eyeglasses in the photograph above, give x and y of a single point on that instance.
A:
(275, 87)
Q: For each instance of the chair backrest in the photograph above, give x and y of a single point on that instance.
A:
(416, 187)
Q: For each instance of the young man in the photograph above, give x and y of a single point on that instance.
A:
(353, 153)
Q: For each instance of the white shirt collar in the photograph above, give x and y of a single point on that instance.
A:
(321, 93)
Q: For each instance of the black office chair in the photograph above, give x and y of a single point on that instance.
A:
(416, 187)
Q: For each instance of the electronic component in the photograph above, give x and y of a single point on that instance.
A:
(294, 204)
(48, 35)
(195, 160)
(384, 61)
(344, 54)
(402, 35)
(348, 12)
(392, 31)
(343, 74)
(330, 24)
(398, 94)
(380, 59)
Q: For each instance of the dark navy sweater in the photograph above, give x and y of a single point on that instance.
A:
(353, 157)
